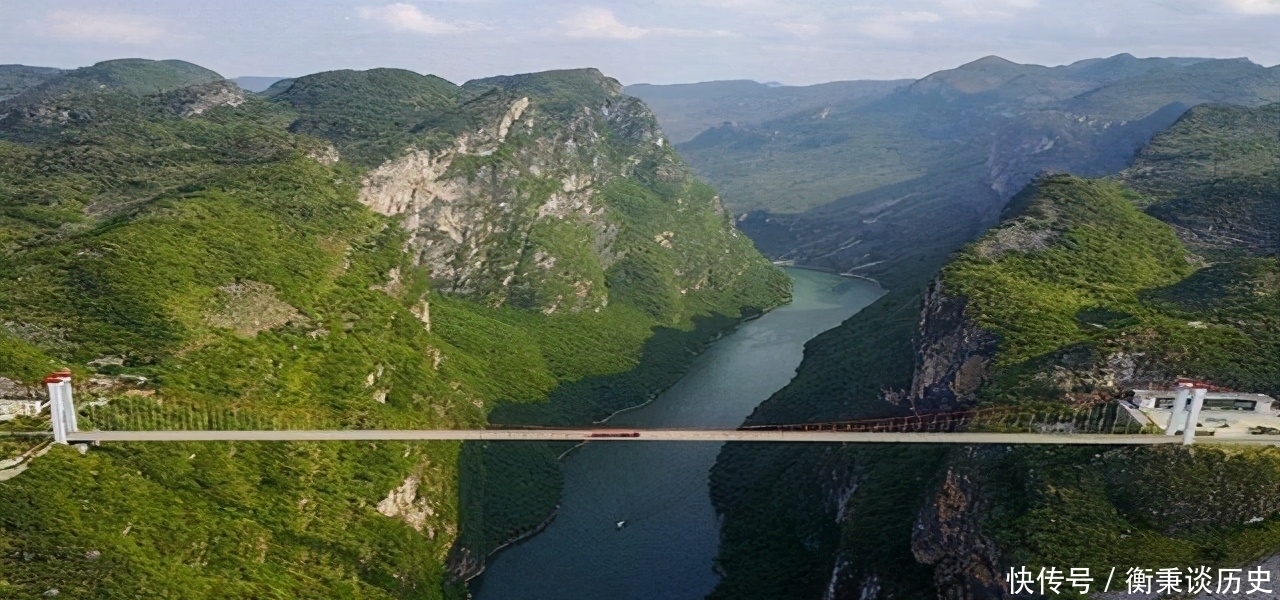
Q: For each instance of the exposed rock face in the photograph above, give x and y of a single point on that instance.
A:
(948, 535)
(416, 503)
(403, 503)
(952, 354)
(409, 186)
(1017, 237)
(16, 390)
(491, 216)
(16, 398)
(197, 99)
(1083, 376)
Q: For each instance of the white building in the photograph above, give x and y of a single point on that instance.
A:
(1257, 403)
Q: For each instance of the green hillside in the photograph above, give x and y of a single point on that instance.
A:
(1082, 273)
(370, 116)
(1213, 175)
(14, 79)
(187, 261)
(839, 183)
(1087, 297)
(1115, 287)
(131, 75)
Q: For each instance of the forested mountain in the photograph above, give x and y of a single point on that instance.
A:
(14, 79)
(1086, 289)
(841, 183)
(356, 249)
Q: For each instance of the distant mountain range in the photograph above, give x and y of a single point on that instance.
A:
(1086, 290)
(876, 177)
(686, 110)
(16, 78)
(256, 84)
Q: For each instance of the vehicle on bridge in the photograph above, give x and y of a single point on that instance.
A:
(615, 434)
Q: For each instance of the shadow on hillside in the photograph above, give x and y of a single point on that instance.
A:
(508, 491)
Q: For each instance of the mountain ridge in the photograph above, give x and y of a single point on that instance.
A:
(834, 188)
(1085, 289)
(308, 256)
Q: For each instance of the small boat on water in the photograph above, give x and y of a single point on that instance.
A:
(620, 524)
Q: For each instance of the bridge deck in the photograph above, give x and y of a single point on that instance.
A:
(652, 435)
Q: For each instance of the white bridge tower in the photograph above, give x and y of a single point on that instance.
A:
(62, 410)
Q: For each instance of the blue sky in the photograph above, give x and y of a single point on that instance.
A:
(657, 41)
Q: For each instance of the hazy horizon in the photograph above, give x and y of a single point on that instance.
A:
(758, 81)
(658, 42)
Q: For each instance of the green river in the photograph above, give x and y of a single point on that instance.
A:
(671, 534)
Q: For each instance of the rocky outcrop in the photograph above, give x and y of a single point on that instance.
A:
(1082, 375)
(418, 503)
(17, 398)
(404, 503)
(491, 215)
(952, 354)
(948, 536)
(19, 391)
(197, 99)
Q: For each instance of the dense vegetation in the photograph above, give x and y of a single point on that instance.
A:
(185, 245)
(780, 504)
(840, 181)
(1088, 296)
(370, 116)
(14, 79)
(1091, 291)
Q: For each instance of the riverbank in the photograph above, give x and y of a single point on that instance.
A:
(660, 489)
(508, 491)
(791, 264)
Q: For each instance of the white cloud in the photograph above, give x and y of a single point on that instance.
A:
(895, 25)
(750, 6)
(1002, 9)
(100, 27)
(803, 30)
(601, 23)
(407, 17)
(1256, 7)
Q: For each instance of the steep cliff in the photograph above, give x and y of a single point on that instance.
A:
(839, 182)
(361, 249)
(551, 191)
(1082, 293)
(952, 355)
(1208, 177)
(949, 537)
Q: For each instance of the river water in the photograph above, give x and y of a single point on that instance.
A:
(671, 536)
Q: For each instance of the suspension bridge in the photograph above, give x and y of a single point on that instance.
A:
(1111, 423)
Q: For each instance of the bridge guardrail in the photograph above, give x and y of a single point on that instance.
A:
(1100, 418)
